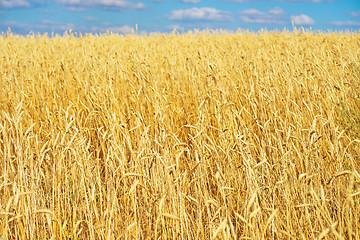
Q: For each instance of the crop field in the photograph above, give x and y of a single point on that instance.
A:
(202, 135)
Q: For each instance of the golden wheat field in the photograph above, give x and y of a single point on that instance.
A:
(202, 135)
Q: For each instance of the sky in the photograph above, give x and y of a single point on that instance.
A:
(149, 16)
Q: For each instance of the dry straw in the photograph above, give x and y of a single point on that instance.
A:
(194, 136)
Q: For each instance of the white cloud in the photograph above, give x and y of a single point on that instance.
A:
(75, 9)
(14, 3)
(105, 4)
(355, 14)
(345, 24)
(43, 26)
(192, 1)
(91, 19)
(60, 27)
(302, 20)
(14, 24)
(125, 29)
(205, 13)
(49, 25)
(276, 11)
(272, 16)
(174, 27)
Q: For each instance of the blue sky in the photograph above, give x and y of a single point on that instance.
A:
(121, 16)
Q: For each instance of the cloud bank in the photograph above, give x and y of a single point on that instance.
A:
(191, 1)
(302, 20)
(345, 23)
(14, 3)
(272, 16)
(104, 4)
(197, 14)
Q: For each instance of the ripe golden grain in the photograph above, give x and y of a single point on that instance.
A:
(194, 136)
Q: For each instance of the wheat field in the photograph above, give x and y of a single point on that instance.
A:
(202, 135)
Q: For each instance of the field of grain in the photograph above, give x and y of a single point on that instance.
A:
(202, 135)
